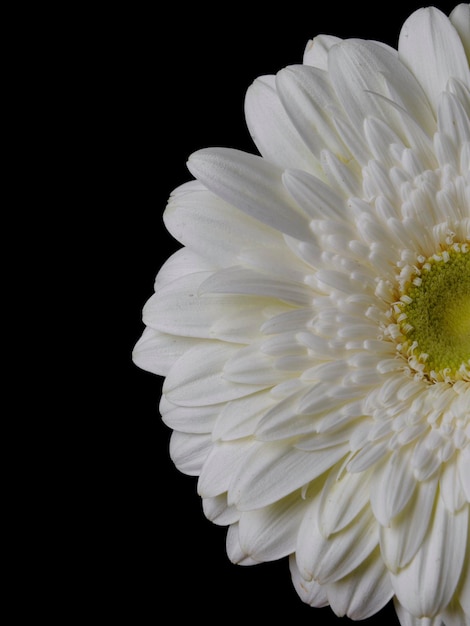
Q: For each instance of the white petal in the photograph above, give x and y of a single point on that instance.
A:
(234, 550)
(240, 418)
(180, 309)
(218, 512)
(400, 540)
(342, 498)
(270, 533)
(189, 451)
(273, 470)
(392, 486)
(220, 464)
(426, 586)
(460, 18)
(179, 265)
(316, 51)
(271, 129)
(249, 365)
(453, 119)
(309, 99)
(157, 352)
(407, 619)
(450, 489)
(431, 48)
(239, 280)
(196, 379)
(329, 560)
(464, 471)
(198, 420)
(314, 196)
(363, 592)
(213, 228)
(363, 75)
(310, 591)
(251, 184)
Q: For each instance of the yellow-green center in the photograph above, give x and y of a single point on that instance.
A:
(434, 315)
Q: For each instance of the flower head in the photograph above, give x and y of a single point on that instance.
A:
(314, 330)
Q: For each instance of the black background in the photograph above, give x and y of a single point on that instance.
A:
(180, 77)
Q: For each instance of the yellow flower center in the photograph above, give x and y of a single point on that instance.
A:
(433, 316)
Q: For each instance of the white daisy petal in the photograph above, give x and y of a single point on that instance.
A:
(309, 99)
(252, 485)
(189, 451)
(362, 70)
(431, 47)
(157, 352)
(314, 327)
(269, 533)
(186, 385)
(361, 596)
(310, 591)
(316, 51)
(271, 129)
(407, 619)
(402, 538)
(251, 184)
(460, 18)
(217, 511)
(423, 588)
(210, 227)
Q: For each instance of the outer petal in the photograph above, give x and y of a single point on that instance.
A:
(310, 591)
(364, 592)
(316, 51)
(407, 619)
(211, 227)
(460, 18)
(270, 533)
(271, 129)
(431, 48)
(427, 585)
(366, 76)
(157, 352)
(251, 184)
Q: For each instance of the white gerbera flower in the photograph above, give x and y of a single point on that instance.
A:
(314, 330)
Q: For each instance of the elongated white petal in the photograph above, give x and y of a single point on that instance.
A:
(196, 379)
(273, 470)
(360, 70)
(424, 588)
(393, 484)
(217, 511)
(460, 18)
(329, 560)
(252, 185)
(401, 539)
(309, 99)
(190, 419)
(309, 591)
(240, 418)
(189, 451)
(239, 280)
(431, 48)
(211, 227)
(407, 619)
(270, 533)
(314, 196)
(235, 551)
(271, 129)
(316, 51)
(451, 490)
(342, 498)
(219, 466)
(361, 593)
(157, 352)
